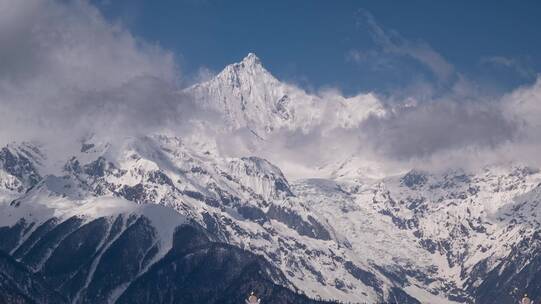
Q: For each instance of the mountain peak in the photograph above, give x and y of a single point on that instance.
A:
(250, 67)
(247, 94)
(245, 71)
(251, 59)
(250, 63)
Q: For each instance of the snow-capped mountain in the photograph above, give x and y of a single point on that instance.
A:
(250, 97)
(98, 233)
(175, 211)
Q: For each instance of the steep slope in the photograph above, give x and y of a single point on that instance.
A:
(205, 272)
(20, 285)
(94, 250)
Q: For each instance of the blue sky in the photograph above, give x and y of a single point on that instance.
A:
(355, 46)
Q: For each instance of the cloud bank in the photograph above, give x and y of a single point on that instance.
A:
(66, 72)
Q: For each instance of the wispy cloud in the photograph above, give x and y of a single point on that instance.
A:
(514, 64)
(392, 43)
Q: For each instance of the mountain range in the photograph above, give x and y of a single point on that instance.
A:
(176, 218)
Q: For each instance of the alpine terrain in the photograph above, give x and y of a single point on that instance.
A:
(214, 214)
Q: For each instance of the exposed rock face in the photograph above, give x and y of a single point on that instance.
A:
(18, 167)
(311, 227)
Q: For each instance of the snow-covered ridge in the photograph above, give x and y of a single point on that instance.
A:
(418, 234)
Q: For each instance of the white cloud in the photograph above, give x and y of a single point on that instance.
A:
(66, 71)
